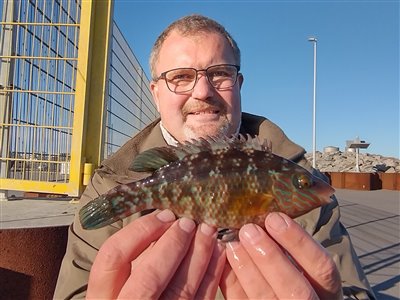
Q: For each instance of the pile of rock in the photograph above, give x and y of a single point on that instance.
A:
(337, 161)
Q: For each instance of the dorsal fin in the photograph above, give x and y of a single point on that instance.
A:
(155, 158)
(248, 142)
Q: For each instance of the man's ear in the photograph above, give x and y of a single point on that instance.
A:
(154, 93)
(240, 79)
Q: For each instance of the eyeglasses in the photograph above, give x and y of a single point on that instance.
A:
(182, 80)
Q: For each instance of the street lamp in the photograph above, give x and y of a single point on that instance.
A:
(314, 41)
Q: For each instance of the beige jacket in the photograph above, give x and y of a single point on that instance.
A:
(323, 224)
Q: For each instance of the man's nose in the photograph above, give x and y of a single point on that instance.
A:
(203, 88)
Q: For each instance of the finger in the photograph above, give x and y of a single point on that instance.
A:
(209, 285)
(230, 285)
(186, 280)
(111, 267)
(250, 278)
(283, 277)
(137, 261)
(157, 268)
(319, 267)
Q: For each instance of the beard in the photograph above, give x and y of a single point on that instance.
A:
(223, 127)
(220, 129)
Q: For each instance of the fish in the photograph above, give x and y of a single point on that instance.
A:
(223, 182)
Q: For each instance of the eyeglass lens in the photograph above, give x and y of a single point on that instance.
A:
(184, 79)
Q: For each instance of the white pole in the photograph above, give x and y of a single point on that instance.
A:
(357, 159)
(314, 135)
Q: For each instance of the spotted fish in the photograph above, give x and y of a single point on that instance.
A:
(224, 182)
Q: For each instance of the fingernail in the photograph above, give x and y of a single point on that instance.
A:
(186, 224)
(276, 222)
(233, 245)
(251, 232)
(166, 216)
(207, 229)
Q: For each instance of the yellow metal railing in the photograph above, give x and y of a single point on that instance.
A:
(46, 59)
(71, 93)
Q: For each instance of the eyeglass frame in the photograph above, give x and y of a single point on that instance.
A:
(163, 76)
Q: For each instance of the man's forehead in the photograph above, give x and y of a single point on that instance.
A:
(193, 35)
(198, 50)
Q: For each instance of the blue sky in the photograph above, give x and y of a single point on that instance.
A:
(357, 62)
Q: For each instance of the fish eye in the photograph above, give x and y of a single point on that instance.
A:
(302, 181)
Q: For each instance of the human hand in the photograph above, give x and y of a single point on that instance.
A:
(157, 256)
(259, 267)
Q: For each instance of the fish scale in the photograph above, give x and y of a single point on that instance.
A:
(224, 182)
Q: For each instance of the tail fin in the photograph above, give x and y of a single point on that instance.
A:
(97, 213)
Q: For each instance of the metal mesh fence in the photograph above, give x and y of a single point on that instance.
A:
(39, 44)
(129, 106)
(44, 83)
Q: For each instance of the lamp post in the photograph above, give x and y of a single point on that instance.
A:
(314, 41)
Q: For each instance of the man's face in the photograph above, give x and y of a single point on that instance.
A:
(204, 110)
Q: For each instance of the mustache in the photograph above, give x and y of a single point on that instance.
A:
(198, 106)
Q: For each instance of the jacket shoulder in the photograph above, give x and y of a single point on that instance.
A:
(275, 136)
(118, 163)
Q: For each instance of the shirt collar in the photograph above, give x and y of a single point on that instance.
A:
(167, 136)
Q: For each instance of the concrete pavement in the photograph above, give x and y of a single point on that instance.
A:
(373, 222)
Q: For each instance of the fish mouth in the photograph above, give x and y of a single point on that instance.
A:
(325, 192)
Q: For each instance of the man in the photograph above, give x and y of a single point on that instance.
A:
(196, 86)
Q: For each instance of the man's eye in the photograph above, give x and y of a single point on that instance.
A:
(220, 73)
(183, 76)
(180, 77)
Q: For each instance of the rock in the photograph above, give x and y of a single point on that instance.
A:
(337, 161)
